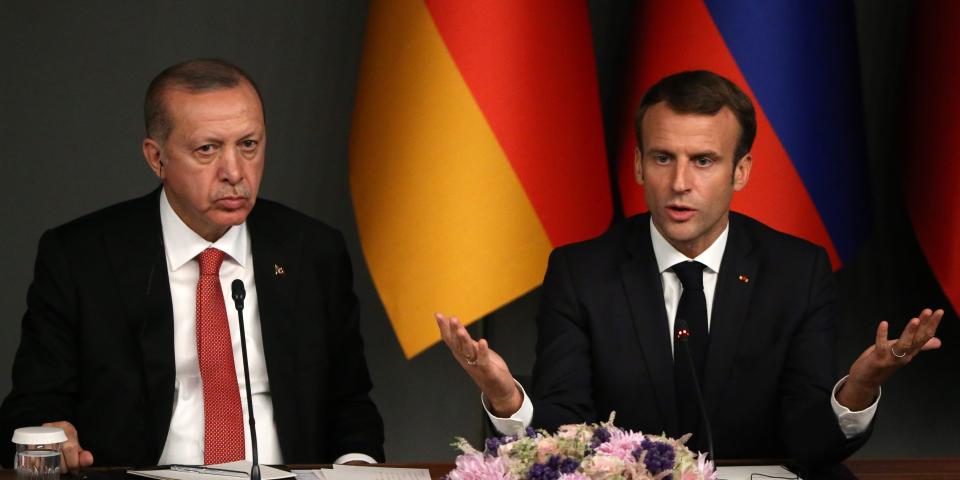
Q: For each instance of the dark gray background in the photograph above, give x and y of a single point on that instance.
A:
(71, 89)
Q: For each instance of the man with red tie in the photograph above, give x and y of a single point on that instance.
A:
(128, 342)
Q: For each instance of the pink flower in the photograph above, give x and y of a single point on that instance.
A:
(622, 443)
(602, 466)
(573, 476)
(706, 468)
(546, 446)
(568, 431)
(476, 466)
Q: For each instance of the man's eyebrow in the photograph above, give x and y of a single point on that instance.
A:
(655, 150)
(706, 153)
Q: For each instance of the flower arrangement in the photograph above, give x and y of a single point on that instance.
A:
(582, 452)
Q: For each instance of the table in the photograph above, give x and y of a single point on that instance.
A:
(865, 469)
(920, 469)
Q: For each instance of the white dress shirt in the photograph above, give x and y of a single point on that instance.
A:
(184, 443)
(851, 423)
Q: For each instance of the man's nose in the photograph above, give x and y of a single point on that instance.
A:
(681, 172)
(230, 168)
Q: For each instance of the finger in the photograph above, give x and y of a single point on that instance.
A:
(445, 329)
(448, 332)
(483, 352)
(467, 347)
(929, 325)
(906, 341)
(932, 344)
(86, 458)
(881, 341)
(70, 455)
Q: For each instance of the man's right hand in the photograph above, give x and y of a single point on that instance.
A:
(74, 456)
(485, 367)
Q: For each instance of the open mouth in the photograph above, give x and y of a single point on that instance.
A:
(680, 212)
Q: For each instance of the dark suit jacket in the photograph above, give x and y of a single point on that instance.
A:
(603, 343)
(97, 339)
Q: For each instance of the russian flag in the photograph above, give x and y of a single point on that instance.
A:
(798, 62)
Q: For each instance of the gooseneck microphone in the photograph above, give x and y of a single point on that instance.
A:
(683, 334)
(239, 293)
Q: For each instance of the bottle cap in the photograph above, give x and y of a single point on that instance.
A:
(39, 435)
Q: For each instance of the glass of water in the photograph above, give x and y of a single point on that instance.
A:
(38, 452)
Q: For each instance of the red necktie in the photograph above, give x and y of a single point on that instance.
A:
(222, 414)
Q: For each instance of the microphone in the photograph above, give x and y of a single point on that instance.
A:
(683, 334)
(239, 294)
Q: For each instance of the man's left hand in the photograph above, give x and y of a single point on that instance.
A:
(880, 360)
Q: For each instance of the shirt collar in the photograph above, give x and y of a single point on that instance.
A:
(183, 244)
(667, 256)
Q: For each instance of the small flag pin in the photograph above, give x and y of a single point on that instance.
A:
(278, 270)
(744, 278)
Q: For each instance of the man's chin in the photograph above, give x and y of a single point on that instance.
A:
(229, 218)
(679, 232)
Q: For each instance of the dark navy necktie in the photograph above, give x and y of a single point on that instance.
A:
(693, 309)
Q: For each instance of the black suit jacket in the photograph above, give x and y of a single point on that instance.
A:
(603, 343)
(97, 339)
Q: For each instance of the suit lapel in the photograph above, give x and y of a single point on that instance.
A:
(730, 305)
(277, 270)
(644, 292)
(136, 254)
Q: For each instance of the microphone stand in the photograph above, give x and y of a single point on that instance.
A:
(683, 334)
(239, 293)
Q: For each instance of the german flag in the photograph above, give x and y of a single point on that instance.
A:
(477, 147)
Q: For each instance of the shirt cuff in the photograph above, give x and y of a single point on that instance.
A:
(349, 457)
(852, 423)
(515, 423)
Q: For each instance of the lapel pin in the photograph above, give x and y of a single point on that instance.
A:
(278, 270)
(744, 278)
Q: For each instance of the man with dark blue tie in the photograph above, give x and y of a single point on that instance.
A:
(758, 308)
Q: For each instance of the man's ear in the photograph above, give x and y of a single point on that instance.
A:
(741, 173)
(638, 166)
(152, 154)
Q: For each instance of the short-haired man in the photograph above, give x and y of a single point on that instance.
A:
(760, 307)
(128, 343)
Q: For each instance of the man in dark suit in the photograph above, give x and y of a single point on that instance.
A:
(757, 311)
(127, 338)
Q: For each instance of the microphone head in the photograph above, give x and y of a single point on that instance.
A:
(683, 333)
(239, 293)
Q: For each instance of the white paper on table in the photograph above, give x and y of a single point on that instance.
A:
(266, 473)
(309, 474)
(358, 472)
(759, 472)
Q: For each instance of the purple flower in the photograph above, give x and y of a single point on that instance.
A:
(553, 468)
(659, 457)
(568, 465)
(492, 445)
(542, 471)
(600, 435)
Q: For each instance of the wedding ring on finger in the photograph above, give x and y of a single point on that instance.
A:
(471, 361)
(893, 350)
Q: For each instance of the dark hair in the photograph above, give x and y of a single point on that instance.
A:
(196, 76)
(705, 93)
